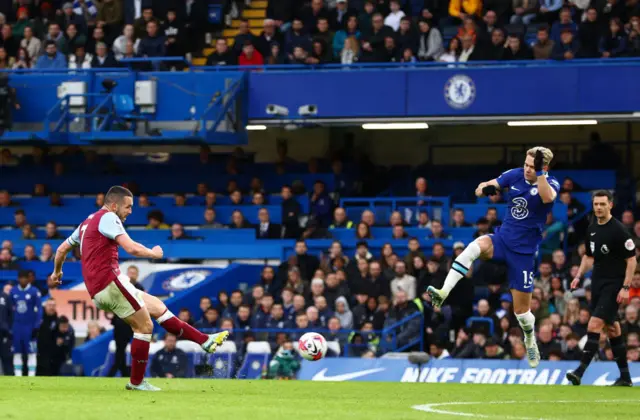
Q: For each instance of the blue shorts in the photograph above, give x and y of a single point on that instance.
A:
(520, 267)
(22, 340)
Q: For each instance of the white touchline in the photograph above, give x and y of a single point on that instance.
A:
(431, 408)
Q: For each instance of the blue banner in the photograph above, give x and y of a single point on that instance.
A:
(459, 371)
(161, 283)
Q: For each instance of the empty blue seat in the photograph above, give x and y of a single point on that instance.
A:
(256, 360)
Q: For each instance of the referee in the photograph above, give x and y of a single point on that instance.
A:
(611, 254)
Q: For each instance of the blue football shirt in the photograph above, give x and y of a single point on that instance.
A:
(526, 215)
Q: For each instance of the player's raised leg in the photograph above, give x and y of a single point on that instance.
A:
(171, 323)
(460, 267)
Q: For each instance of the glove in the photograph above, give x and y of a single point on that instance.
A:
(538, 162)
(490, 190)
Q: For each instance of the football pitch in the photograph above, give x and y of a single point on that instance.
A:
(101, 398)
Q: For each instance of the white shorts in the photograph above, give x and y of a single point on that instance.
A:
(119, 297)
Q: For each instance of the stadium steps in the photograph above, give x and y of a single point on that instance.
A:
(256, 14)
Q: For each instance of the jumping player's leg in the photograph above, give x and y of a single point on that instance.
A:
(167, 320)
(594, 328)
(619, 349)
(482, 246)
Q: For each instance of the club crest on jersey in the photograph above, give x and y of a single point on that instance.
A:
(533, 191)
(592, 246)
(604, 249)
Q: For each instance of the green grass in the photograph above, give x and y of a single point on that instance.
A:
(93, 398)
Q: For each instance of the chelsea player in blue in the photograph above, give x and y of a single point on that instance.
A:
(531, 193)
(27, 316)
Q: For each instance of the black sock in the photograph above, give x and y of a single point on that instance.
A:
(620, 355)
(590, 349)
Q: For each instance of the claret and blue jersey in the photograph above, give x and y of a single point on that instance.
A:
(517, 240)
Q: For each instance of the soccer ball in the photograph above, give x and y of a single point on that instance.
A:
(312, 346)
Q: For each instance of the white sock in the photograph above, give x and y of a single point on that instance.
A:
(527, 322)
(460, 266)
(165, 316)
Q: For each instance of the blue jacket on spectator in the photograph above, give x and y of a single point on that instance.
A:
(551, 5)
(321, 208)
(203, 324)
(559, 49)
(558, 27)
(259, 319)
(174, 362)
(292, 40)
(613, 44)
(272, 323)
(152, 46)
(324, 317)
(338, 41)
(57, 62)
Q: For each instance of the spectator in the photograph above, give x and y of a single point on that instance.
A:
(319, 53)
(291, 211)
(633, 50)
(548, 11)
(458, 219)
(46, 253)
(9, 42)
(45, 338)
(373, 43)
(99, 200)
(614, 43)
(284, 364)
(368, 217)
(52, 231)
(6, 260)
(516, 50)
(340, 220)
(27, 232)
(524, 11)
(244, 35)
(140, 25)
(110, 15)
(469, 51)
(567, 49)
(120, 44)
(156, 220)
(543, 46)
(52, 59)
(351, 51)
(482, 227)
(546, 342)
(589, 34)
(6, 63)
(493, 351)
(395, 15)
(55, 34)
(103, 59)
(178, 233)
(437, 232)
(266, 229)
(32, 44)
(564, 24)
(423, 220)
(174, 33)
(86, 9)
(630, 322)
(210, 220)
(312, 14)
(238, 221)
(250, 56)
(29, 254)
(342, 34)
(268, 36)
(495, 51)
(276, 56)
(64, 342)
(403, 282)
(323, 34)
(19, 218)
(321, 204)
(296, 37)
(153, 44)
(68, 17)
(74, 39)
(93, 331)
(169, 362)
(458, 10)
(403, 308)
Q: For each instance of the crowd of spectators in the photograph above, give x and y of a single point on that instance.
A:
(349, 31)
(98, 34)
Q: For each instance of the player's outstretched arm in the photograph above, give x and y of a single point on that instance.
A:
(487, 188)
(137, 249)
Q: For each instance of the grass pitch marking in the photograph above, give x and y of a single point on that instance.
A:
(431, 408)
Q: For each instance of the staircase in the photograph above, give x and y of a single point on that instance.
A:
(256, 14)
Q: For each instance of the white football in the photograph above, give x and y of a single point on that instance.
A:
(312, 346)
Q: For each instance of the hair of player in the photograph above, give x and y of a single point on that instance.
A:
(548, 154)
(603, 193)
(116, 194)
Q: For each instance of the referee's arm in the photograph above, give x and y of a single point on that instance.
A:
(585, 266)
(623, 296)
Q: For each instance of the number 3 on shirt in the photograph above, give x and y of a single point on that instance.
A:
(528, 278)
